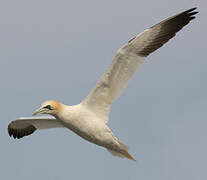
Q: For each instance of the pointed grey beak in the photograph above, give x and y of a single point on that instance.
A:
(38, 111)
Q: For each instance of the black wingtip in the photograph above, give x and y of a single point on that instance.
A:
(9, 131)
(19, 129)
(192, 13)
(192, 9)
(189, 14)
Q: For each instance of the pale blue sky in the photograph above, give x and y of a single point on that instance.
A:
(59, 49)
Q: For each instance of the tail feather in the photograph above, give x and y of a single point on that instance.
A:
(129, 156)
(123, 153)
(114, 153)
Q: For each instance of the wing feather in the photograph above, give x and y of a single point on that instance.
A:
(129, 58)
(28, 125)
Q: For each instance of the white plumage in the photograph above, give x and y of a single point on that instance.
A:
(88, 119)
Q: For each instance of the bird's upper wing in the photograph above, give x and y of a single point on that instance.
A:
(129, 58)
(27, 125)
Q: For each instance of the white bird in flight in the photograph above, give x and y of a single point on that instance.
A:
(89, 118)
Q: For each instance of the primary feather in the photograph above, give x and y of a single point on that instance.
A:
(88, 119)
(28, 125)
(129, 58)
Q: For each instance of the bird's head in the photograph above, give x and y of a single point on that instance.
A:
(49, 107)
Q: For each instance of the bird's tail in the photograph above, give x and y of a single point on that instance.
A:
(123, 153)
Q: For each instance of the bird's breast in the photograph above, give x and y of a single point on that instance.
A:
(87, 125)
(90, 130)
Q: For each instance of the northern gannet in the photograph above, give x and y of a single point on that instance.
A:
(89, 118)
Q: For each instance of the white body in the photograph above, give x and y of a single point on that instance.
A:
(88, 119)
(88, 125)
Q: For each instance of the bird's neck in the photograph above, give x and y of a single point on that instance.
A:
(63, 112)
(69, 113)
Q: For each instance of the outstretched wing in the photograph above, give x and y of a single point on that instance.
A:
(27, 125)
(129, 58)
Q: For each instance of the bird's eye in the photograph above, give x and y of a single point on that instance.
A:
(48, 107)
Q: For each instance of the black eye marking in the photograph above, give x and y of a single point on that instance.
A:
(48, 107)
